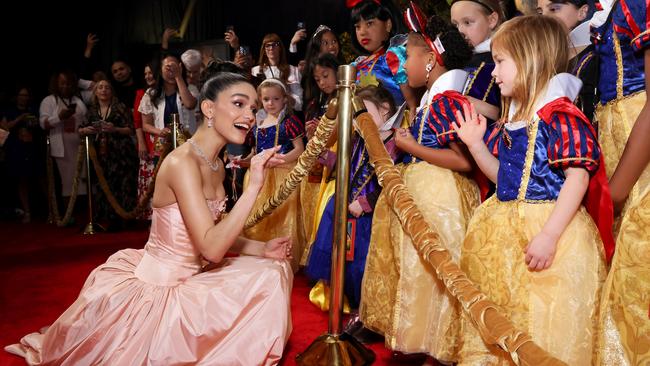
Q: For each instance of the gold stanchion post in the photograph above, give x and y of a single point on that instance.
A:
(174, 130)
(90, 227)
(335, 347)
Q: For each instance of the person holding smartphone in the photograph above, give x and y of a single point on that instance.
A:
(61, 113)
(243, 57)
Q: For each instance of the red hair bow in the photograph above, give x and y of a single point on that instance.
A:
(352, 3)
(416, 20)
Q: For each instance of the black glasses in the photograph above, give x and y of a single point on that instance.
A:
(271, 45)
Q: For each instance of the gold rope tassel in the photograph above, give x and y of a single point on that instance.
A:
(494, 327)
(315, 147)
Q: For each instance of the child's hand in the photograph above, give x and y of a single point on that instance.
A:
(403, 138)
(541, 251)
(470, 126)
(355, 208)
(310, 127)
(259, 164)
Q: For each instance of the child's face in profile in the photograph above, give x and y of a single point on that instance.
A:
(325, 78)
(273, 99)
(372, 33)
(471, 21)
(417, 58)
(505, 71)
(568, 14)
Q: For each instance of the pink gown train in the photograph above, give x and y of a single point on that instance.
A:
(154, 306)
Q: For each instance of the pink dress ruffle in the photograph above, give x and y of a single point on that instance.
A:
(156, 307)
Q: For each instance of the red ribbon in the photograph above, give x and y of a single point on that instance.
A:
(352, 3)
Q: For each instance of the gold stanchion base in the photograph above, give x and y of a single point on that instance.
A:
(331, 350)
(92, 228)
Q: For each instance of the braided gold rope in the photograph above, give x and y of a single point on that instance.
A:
(142, 205)
(54, 215)
(314, 147)
(494, 327)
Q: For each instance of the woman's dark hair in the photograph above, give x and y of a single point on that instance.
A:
(219, 83)
(215, 68)
(283, 64)
(54, 82)
(457, 50)
(159, 90)
(312, 94)
(369, 9)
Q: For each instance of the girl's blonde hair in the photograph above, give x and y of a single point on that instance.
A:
(540, 49)
(280, 85)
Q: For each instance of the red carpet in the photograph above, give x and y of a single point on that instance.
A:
(43, 268)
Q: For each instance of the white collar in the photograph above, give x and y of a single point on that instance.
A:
(261, 115)
(560, 85)
(483, 46)
(451, 80)
(600, 17)
(580, 36)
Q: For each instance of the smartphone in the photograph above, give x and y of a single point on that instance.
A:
(244, 50)
(301, 25)
(230, 28)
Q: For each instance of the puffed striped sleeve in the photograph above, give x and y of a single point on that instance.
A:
(636, 23)
(442, 113)
(293, 127)
(492, 137)
(396, 58)
(572, 142)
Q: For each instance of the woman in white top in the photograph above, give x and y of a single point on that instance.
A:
(61, 113)
(273, 64)
(171, 95)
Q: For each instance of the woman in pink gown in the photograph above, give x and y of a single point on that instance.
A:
(162, 305)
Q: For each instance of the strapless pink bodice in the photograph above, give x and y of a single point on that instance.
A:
(170, 257)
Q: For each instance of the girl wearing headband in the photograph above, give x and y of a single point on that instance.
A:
(373, 25)
(278, 126)
(477, 20)
(573, 15)
(400, 292)
(533, 248)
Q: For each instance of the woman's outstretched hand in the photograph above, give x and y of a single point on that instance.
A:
(470, 126)
(278, 248)
(262, 161)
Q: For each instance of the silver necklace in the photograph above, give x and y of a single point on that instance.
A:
(213, 166)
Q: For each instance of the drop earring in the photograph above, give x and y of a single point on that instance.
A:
(428, 69)
(210, 122)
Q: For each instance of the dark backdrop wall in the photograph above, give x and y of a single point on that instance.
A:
(39, 38)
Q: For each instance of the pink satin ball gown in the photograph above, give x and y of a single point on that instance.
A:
(155, 306)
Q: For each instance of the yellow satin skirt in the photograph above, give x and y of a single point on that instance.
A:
(402, 297)
(309, 196)
(285, 220)
(615, 121)
(625, 310)
(558, 307)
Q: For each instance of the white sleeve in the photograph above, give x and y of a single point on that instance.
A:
(49, 112)
(293, 48)
(146, 107)
(84, 84)
(294, 87)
